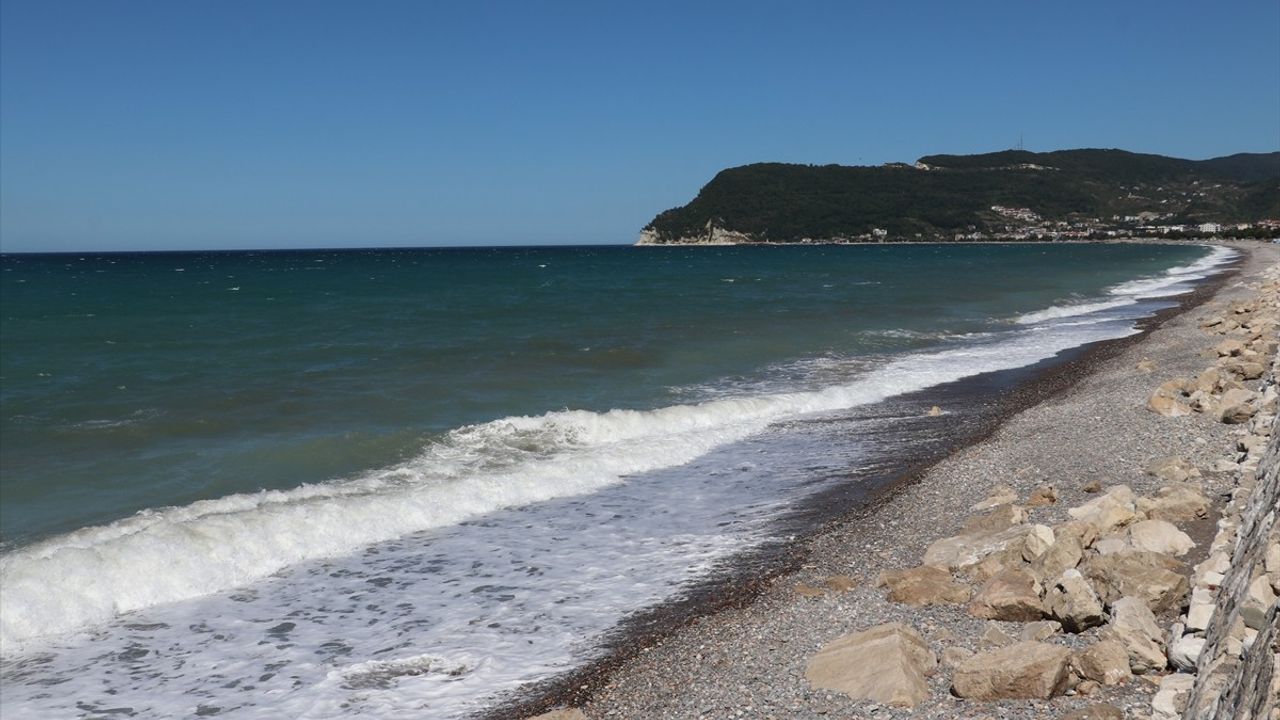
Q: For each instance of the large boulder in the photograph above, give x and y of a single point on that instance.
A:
(886, 664)
(1114, 509)
(1084, 533)
(1167, 406)
(962, 551)
(1064, 554)
(1037, 542)
(1229, 348)
(1244, 369)
(1237, 406)
(1000, 495)
(1169, 399)
(1012, 595)
(1159, 536)
(1153, 578)
(1106, 662)
(924, 585)
(1072, 602)
(1171, 699)
(998, 518)
(1043, 495)
(1134, 626)
(1021, 670)
(1179, 501)
(1257, 603)
(1172, 469)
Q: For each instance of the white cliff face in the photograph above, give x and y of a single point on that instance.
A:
(713, 236)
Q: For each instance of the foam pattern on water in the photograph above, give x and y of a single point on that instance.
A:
(498, 556)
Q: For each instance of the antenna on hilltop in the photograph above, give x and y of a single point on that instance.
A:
(1019, 141)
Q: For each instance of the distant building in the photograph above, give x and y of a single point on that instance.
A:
(1210, 227)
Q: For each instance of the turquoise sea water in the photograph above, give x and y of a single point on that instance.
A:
(180, 430)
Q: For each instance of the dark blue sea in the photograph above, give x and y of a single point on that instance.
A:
(403, 483)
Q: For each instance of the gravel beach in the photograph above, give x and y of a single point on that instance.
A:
(750, 661)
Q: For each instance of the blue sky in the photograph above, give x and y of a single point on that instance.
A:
(236, 124)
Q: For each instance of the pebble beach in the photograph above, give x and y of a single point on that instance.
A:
(1093, 428)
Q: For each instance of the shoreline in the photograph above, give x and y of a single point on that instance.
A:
(760, 584)
(1232, 241)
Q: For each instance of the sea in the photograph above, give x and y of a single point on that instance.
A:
(411, 482)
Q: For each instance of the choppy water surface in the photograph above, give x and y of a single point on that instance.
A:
(302, 484)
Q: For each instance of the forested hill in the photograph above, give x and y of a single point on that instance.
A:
(1010, 193)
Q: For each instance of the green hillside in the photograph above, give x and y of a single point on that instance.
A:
(948, 194)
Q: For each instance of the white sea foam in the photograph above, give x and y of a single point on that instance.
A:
(171, 554)
(1071, 310)
(1174, 281)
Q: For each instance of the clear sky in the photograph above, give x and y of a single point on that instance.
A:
(235, 124)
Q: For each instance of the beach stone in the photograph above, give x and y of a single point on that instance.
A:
(1097, 711)
(994, 636)
(1207, 381)
(1065, 553)
(1008, 559)
(1180, 501)
(1167, 406)
(1113, 509)
(1112, 544)
(934, 411)
(1106, 662)
(1184, 651)
(1038, 541)
(1171, 699)
(1159, 536)
(1151, 577)
(1145, 365)
(953, 656)
(1202, 402)
(1093, 486)
(1072, 602)
(886, 664)
(1257, 603)
(962, 551)
(923, 585)
(1087, 687)
(1229, 348)
(1172, 469)
(1040, 630)
(1021, 670)
(1201, 609)
(1044, 495)
(1085, 533)
(1001, 517)
(1133, 625)
(1012, 596)
(1245, 369)
(1000, 495)
(1237, 407)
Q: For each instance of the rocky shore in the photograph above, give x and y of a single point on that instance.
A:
(1112, 552)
